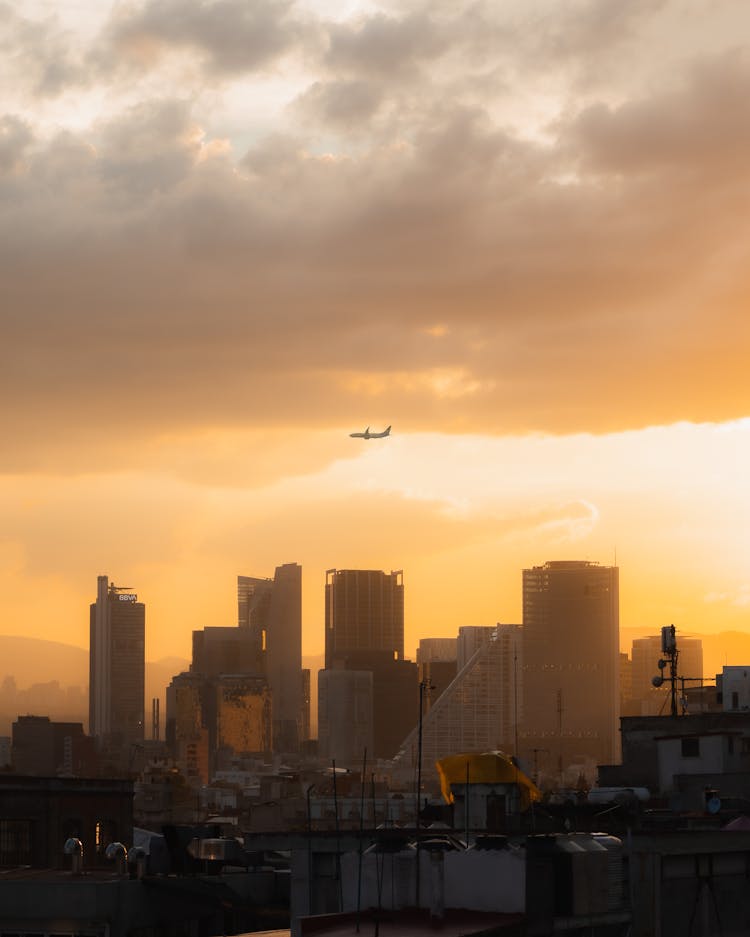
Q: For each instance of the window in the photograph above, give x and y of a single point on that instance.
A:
(691, 747)
(105, 832)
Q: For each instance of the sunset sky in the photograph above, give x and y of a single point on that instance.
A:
(233, 232)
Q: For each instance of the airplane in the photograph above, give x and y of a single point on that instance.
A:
(368, 435)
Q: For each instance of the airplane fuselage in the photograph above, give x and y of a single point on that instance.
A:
(368, 435)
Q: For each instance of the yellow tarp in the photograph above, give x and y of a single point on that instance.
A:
(485, 768)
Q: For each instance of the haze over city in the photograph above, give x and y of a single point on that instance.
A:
(233, 234)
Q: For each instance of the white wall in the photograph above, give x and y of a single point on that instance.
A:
(710, 759)
(735, 680)
(479, 880)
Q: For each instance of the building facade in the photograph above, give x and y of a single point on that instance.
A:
(571, 668)
(116, 667)
(364, 611)
(364, 631)
(187, 733)
(270, 614)
(48, 749)
(345, 716)
(243, 715)
(440, 649)
(478, 711)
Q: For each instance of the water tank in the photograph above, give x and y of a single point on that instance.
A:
(616, 864)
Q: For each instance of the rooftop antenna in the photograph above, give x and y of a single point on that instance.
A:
(670, 652)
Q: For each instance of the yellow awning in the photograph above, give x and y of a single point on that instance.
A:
(485, 768)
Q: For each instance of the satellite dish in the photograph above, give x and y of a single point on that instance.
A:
(714, 804)
(657, 681)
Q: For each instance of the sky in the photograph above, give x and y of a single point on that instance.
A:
(232, 233)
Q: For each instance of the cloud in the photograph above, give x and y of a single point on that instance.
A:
(230, 35)
(740, 597)
(15, 138)
(345, 105)
(386, 47)
(699, 128)
(592, 278)
(40, 55)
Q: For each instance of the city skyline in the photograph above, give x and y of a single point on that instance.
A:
(234, 234)
(313, 639)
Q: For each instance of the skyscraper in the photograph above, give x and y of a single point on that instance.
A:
(364, 612)
(479, 709)
(345, 715)
(270, 613)
(116, 667)
(571, 666)
(365, 632)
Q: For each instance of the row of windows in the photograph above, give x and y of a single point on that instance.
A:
(578, 667)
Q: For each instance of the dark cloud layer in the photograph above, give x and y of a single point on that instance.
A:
(445, 267)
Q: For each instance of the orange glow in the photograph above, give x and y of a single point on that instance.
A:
(462, 515)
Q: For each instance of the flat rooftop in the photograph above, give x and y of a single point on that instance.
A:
(410, 922)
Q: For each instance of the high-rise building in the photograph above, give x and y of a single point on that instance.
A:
(442, 649)
(364, 612)
(436, 660)
(470, 639)
(243, 714)
(345, 716)
(245, 690)
(571, 667)
(479, 710)
(46, 748)
(116, 667)
(218, 650)
(187, 735)
(364, 631)
(270, 613)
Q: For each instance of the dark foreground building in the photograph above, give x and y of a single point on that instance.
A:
(38, 815)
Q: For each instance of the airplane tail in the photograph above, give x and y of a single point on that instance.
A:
(387, 431)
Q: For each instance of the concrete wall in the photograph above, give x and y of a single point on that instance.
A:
(671, 760)
(735, 680)
(481, 880)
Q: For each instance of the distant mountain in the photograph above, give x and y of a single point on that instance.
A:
(34, 660)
